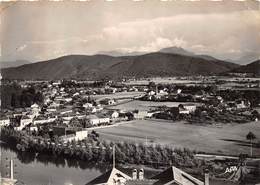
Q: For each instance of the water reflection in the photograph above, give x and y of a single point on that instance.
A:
(41, 169)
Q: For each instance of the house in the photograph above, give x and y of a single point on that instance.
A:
(51, 109)
(150, 93)
(75, 94)
(17, 113)
(92, 109)
(95, 120)
(179, 91)
(87, 105)
(25, 120)
(182, 110)
(111, 177)
(35, 109)
(56, 83)
(187, 108)
(68, 99)
(43, 119)
(76, 136)
(68, 116)
(30, 115)
(113, 114)
(54, 104)
(4, 121)
(65, 111)
(242, 104)
(110, 90)
(151, 113)
(140, 114)
(107, 101)
(176, 176)
(163, 92)
(47, 100)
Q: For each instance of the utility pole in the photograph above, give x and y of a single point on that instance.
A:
(114, 157)
(11, 169)
(146, 148)
(251, 148)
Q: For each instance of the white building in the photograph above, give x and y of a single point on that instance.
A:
(113, 114)
(95, 120)
(39, 120)
(35, 109)
(190, 107)
(88, 105)
(78, 136)
(4, 121)
(140, 114)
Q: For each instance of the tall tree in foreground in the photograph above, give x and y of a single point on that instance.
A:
(251, 136)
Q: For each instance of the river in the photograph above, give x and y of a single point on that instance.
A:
(45, 171)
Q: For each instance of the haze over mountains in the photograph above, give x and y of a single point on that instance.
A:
(241, 60)
(6, 64)
(253, 68)
(168, 62)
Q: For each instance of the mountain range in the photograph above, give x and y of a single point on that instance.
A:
(168, 62)
(253, 68)
(244, 59)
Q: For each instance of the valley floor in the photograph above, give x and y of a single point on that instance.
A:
(224, 139)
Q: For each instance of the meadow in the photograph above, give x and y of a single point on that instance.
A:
(118, 95)
(145, 105)
(222, 139)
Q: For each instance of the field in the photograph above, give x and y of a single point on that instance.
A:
(226, 139)
(143, 105)
(161, 80)
(118, 95)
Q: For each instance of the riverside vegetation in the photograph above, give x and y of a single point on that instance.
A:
(94, 151)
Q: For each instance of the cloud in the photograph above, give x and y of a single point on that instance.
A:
(21, 48)
(212, 33)
(217, 34)
(156, 45)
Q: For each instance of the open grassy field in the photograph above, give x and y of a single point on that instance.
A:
(162, 80)
(117, 95)
(144, 105)
(226, 139)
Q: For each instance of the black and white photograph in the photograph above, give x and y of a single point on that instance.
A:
(130, 92)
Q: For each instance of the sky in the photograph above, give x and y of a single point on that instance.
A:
(37, 31)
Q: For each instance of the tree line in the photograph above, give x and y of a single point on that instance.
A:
(14, 96)
(98, 152)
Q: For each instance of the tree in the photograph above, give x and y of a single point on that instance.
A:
(175, 112)
(152, 85)
(13, 101)
(251, 136)
(255, 114)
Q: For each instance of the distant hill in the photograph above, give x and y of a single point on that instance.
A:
(181, 51)
(6, 64)
(176, 50)
(248, 58)
(100, 66)
(169, 50)
(116, 53)
(253, 68)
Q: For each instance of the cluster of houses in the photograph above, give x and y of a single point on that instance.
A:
(199, 97)
(67, 104)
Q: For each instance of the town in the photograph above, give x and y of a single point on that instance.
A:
(72, 119)
(130, 92)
